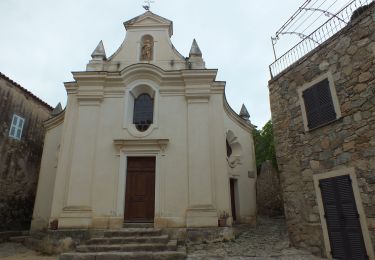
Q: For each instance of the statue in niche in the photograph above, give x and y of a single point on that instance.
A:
(147, 47)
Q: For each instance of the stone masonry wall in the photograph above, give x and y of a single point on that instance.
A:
(347, 142)
(269, 197)
(19, 159)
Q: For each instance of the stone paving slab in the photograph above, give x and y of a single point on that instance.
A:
(267, 240)
(15, 251)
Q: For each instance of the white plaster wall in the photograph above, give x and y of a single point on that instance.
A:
(107, 160)
(173, 125)
(218, 150)
(46, 182)
(163, 54)
(172, 173)
(172, 164)
(64, 158)
(246, 208)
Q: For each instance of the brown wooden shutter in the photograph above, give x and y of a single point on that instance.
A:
(319, 104)
(344, 228)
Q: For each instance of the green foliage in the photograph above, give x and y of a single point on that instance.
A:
(264, 145)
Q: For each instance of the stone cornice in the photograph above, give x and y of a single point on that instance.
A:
(235, 117)
(141, 144)
(71, 87)
(54, 121)
(198, 77)
(190, 82)
(90, 94)
(158, 22)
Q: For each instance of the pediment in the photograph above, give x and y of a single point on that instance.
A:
(149, 19)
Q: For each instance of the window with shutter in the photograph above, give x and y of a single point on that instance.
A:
(343, 223)
(16, 127)
(319, 105)
(143, 112)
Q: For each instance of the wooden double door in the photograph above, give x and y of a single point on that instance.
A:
(140, 190)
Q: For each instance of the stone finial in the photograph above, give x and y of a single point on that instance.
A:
(99, 52)
(56, 110)
(244, 113)
(195, 60)
(194, 50)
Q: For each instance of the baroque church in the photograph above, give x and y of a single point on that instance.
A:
(146, 136)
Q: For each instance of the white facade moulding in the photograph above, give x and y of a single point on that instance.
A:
(141, 145)
(132, 91)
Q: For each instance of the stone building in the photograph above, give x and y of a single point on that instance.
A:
(21, 144)
(323, 111)
(147, 136)
(269, 196)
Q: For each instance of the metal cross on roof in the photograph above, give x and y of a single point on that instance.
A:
(147, 5)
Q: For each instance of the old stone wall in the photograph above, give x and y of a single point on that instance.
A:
(346, 142)
(269, 197)
(19, 159)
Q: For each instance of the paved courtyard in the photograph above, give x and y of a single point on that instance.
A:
(267, 240)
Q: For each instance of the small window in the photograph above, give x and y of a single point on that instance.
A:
(319, 105)
(143, 112)
(16, 127)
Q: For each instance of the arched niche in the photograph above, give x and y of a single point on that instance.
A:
(234, 149)
(147, 48)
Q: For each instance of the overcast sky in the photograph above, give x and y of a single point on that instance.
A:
(42, 41)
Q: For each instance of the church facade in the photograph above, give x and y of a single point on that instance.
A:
(146, 136)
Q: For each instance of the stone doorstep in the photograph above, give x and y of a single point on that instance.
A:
(127, 240)
(138, 225)
(180, 254)
(131, 232)
(170, 246)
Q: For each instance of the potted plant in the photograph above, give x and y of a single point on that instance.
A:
(223, 219)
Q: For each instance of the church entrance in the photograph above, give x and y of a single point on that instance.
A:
(140, 189)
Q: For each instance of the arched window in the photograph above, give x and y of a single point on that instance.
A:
(143, 112)
(147, 48)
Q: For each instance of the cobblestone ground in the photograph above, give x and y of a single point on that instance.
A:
(15, 251)
(267, 240)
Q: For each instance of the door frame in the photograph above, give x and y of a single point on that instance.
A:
(154, 181)
(121, 181)
(234, 199)
(357, 197)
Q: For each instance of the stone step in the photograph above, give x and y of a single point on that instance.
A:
(138, 225)
(5, 235)
(127, 240)
(132, 232)
(164, 255)
(18, 239)
(170, 246)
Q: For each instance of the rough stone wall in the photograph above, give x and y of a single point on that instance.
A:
(19, 159)
(347, 142)
(269, 197)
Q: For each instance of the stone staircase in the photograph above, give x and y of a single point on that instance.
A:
(135, 242)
